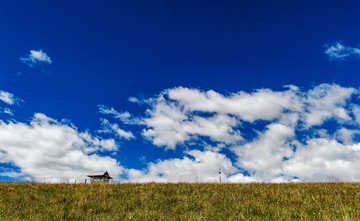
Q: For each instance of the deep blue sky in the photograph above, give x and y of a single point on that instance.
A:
(104, 52)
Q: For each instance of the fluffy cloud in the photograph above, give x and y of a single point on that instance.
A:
(339, 51)
(170, 125)
(36, 57)
(289, 135)
(263, 157)
(204, 167)
(293, 136)
(246, 106)
(323, 159)
(52, 151)
(180, 115)
(327, 102)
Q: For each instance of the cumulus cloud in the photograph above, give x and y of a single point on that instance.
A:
(339, 51)
(52, 151)
(170, 125)
(196, 166)
(247, 106)
(289, 135)
(9, 98)
(322, 159)
(36, 57)
(263, 157)
(293, 135)
(325, 102)
(179, 115)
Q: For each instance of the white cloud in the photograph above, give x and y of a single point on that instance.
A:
(240, 178)
(169, 125)
(36, 57)
(114, 128)
(9, 98)
(51, 151)
(324, 159)
(124, 116)
(327, 101)
(6, 111)
(339, 51)
(15, 174)
(134, 99)
(262, 136)
(180, 115)
(356, 112)
(204, 167)
(293, 119)
(263, 157)
(263, 104)
(346, 136)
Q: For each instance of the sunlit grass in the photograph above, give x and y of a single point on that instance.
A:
(183, 201)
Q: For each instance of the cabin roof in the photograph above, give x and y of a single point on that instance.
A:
(100, 174)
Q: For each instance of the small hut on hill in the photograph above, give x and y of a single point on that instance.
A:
(100, 177)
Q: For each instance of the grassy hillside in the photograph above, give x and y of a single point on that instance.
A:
(182, 201)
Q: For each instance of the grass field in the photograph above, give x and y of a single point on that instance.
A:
(183, 201)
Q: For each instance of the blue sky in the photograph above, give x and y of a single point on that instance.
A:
(174, 91)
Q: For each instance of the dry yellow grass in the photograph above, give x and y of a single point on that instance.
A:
(183, 201)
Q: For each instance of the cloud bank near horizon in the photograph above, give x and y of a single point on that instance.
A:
(273, 136)
(46, 150)
(289, 135)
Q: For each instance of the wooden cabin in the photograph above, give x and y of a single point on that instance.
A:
(100, 177)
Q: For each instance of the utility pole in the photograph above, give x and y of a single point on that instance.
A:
(219, 176)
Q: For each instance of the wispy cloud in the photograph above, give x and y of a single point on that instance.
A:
(115, 129)
(340, 51)
(36, 57)
(125, 116)
(9, 98)
(6, 111)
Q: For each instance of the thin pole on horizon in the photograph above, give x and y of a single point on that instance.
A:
(219, 176)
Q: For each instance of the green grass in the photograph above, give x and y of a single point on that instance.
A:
(183, 201)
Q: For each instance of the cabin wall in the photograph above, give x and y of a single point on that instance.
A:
(99, 180)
